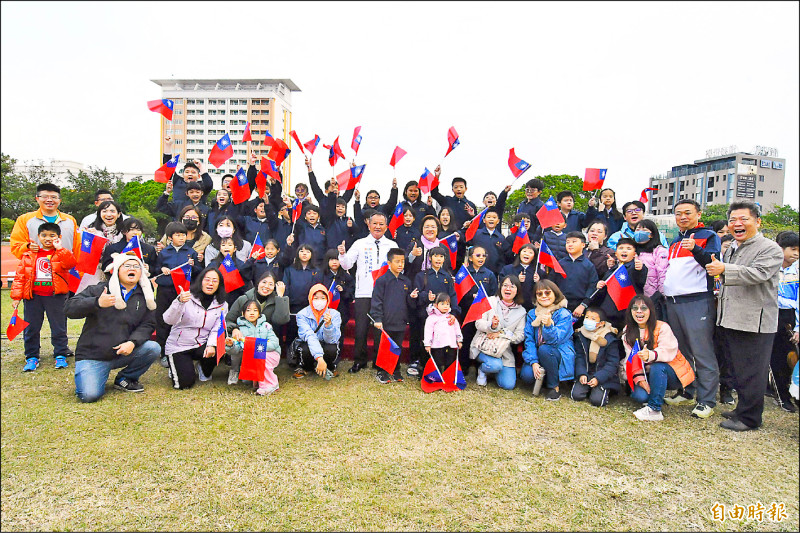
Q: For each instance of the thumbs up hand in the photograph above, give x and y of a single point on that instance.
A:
(637, 263)
(105, 299)
(416, 251)
(341, 249)
(715, 267)
(184, 296)
(610, 261)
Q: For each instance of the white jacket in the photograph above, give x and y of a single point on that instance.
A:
(368, 257)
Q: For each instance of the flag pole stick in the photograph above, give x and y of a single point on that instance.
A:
(607, 278)
(171, 269)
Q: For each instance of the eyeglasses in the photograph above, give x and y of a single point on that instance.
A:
(49, 197)
(508, 286)
(132, 267)
(631, 211)
(639, 308)
(544, 292)
(373, 197)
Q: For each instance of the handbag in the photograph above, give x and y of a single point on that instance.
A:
(492, 347)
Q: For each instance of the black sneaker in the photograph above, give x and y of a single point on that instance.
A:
(726, 397)
(383, 377)
(356, 368)
(553, 395)
(397, 376)
(128, 385)
(413, 369)
(786, 405)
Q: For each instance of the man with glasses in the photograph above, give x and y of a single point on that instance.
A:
(24, 236)
(689, 293)
(748, 310)
(633, 212)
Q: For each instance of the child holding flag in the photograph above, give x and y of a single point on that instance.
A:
(442, 334)
(480, 274)
(227, 247)
(635, 273)
(597, 356)
(253, 324)
(41, 280)
(131, 227)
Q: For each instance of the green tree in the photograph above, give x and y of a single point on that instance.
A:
(148, 221)
(783, 215)
(19, 190)
(554, 184)
(77, 198)
(714, 212)
(6, 225)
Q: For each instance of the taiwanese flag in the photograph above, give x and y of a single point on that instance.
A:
(335, 297)
(350, 178)
(428, 181)
(297, 140)
(163, 107)
(517, 165)
(397, 219)
(181, 277)
(258, 247)
(221, 337)
(388, 353)
(548, 258)
(254, 359)
(474, 225)
(73, 279)
(479, 306)
(549, 214)
(397, 155)
(380, 272)
(431, 377)
(463, 282)
(269, 168)
(279, 151)
(297, 210)
(133, 247)
(221, 151)
(269, 140)
(335, 152)
(356, 144)
(247, 137)
(520, 238)
(15, 326)
(312, 144)
(90, 252)
(593, 179)
(165, 171)
(633, 365)
(452, 140)
(451, 242)
(453, 378)
(230, 274)
(643, 197)
(620, 288)
(240, 189)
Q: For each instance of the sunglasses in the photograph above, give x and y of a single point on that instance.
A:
(639, 308)
(544, 292)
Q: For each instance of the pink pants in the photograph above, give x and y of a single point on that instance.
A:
(270, 379)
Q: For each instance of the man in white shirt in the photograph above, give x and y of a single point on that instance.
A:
(369, 253)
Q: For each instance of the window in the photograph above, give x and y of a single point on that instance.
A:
(177, 121)
(212, 112)
(212, 122)
(760, 178)
(760, 193)
(212, 102)
(266, 112)
(178, 141)
(179, 112)
(710, 197)
(190, 102)
(672, 188)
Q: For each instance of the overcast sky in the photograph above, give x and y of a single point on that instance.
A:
(632, 87)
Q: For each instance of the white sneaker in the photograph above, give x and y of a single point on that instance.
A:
(481, 380)
(233, 377)
(266, 391)
(645, 413)
(200, 374)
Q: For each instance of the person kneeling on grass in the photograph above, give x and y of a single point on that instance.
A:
(253, 324)
(120, 319)
(597, 355)
(318, 332)
(658, 349)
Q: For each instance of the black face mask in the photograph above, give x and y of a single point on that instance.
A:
(190, 224)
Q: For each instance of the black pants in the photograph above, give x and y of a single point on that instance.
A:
(468, 331)
(598, 396)
(165, 295)
(443, 357)
(35, 310)
(416, 329)
(750, 355)
(727, 381)
(363, 325)
(344, 310)
(182, 366)
(781, 346)
(330, 354)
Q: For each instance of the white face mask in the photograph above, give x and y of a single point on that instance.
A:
(319, 304)
(590, 325)
(224, 231)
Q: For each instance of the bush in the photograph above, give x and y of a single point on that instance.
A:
(6, 225)
(148, 221)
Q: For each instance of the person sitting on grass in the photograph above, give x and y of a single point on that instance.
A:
(597, 355)
(119, 321)
(41, 280)
(664, 364)
(253, 324)
(318, 330)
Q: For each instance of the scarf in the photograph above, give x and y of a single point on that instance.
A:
(110, 232)
(506, 309)
(427, 246)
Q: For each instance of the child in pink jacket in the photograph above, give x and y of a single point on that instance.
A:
(442, 333)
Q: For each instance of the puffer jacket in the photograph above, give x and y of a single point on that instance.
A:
(656, 262)
(274, 308)
(559, 336)
(262, 330)
(439, 333)
(192, 324)
(60, 262)
(608, 358)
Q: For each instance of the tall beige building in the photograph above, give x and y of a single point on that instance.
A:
(722, 177)
(205, 110)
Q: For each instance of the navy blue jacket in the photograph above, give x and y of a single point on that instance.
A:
(282, 231)
(556, 243)
(576, 220)
(277, 265)
(421, 209)
(324, 200)
(456, 206)
(405, 235)
(484, 276)
(173, 208)
(580, 283)
(275, 191)
(179, 186)
(253, 227)
(614, 224)
(315, 237)
(338, 231)
(432, 281)
(530, 207)
(391, 301)
(149, 255)
(343, 278)
(387, 209)
(245, 270)
(170, 257)
(527, 285)
(605, 368)
(298, 283)
(493, 244)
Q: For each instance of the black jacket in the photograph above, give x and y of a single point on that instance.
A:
(345, 280)
(605, 368)
(149, 255)
(435, 282)
(391, 301)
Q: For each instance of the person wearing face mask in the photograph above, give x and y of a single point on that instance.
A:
(597, 356)
(655, 258)
(226, 228)
(634, 213)
(318, 332)
(196, 238)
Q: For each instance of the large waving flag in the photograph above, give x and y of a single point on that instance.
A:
(397, 219)
(643, 196)
(620, 288)
(230, 274)
(428, 181)
(480, 304)
(297, 140)
(74, 279)
(163, 107)
(312, 144)
(181, 277)
(335, 296)
(254, 359)
(633, 365)
(463, 282)
(521, 237)
(517, 165)
(89, 255)
(474, 225)
(397, 155)
(453, 377)
(221, 151)
(15, 326)
(221, 337)
(258, 247)
(452, 140)
(350, 178)
(269, 140)
(279, 151)
(134, 247)
(240, 189)
(593, 179)
(356, 143)
(165, 171)
(548, 258)
(431, 377)
(451, 242)
(388, 353)
(549, 214)
(269, 168)
(380, 272)
(247, 136)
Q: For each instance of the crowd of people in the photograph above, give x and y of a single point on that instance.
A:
(715, 311)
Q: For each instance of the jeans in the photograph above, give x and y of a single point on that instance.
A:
(506, 376)
(661, 378)
(91, 375)
(550, 360)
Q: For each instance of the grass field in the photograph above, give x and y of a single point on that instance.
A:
(352, 454)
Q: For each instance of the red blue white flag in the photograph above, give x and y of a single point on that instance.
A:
(221, 337)
(230, 274)
(165, 171)
(521, 237)
(181, 278)
(593, 179)
(643, 196)
(474, 225)
(620, 288)
(463, 282)
(297, 140)
(451, 242)
(388, 353)
(517, 165)
(452, 140)
(73, 279)
(134, 247)
(247, 137)
(221, 151)
(380, 272)
(548, 258)
(480, 304)
(633, 365)
(454, 378)
(15, 326)
(428, 181)
(254, 359)
(397, 219)
(240, 188)
(312, 144)
(356, 143)
(335, 296)
(279, 151)
(297, 209)
(162, 107)
(549, 214)
(258, 247)
(89, 254)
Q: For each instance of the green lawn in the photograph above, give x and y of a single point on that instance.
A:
(352, 454)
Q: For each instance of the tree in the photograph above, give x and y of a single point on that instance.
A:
(141, 196)
(714, 212)
(780, 218)
(554, 184)
(77, 198)
(783, 215)
(19, 190)
(6, 225)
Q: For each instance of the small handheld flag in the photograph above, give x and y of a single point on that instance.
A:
(474, 225)
(269, 168)
(297, 209)
(388, 353)
(254, 359)
(428, 181)
(463, 282)
(431, 377)
(279, 151)
(335, 296)
(165, 171)
(593, 179)
(517, 165)
(549, 214)
(380, 272)
(162, 107)
(15, 326)
(133, 247)
(633, 365)
(312, 144)
(452, 140)
(240, 188)
(350, 178)
(521, 237)
(451, 242)
(73, 279)
(297, 140)
(269, 140)
(258, 247)
(221, 337)
(247, 137)
(181, 277)
(230, 274)
(397, 219)
(548, 258)
(89, 255)
(221, 151)
(397, 155)
(480, 304)
(454, 378)
(620, 288)
(356, 143)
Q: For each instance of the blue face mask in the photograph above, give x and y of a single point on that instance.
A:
(641, 236)
(590, 325)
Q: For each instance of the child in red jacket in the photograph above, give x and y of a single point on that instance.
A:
(41, 280)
